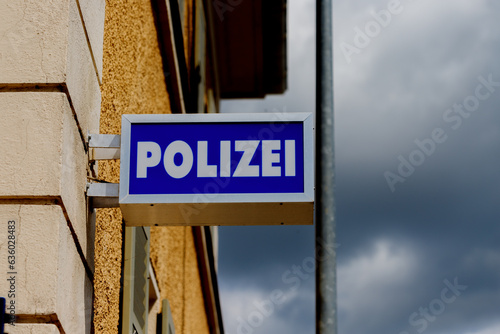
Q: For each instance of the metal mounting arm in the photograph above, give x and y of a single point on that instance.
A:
(104, 147)
(103, 195)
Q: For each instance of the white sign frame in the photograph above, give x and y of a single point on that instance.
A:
(218, 209)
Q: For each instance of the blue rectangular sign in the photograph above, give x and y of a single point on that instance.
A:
(206, 169)
(227, 158)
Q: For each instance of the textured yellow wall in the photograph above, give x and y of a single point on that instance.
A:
(133, 83)
(174, 258)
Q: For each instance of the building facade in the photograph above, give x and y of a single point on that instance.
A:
(70, 69)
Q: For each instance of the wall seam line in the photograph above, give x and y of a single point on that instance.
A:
(40, 319)
(75, 116)
(88, 42)
(31, 88)
(47, 88)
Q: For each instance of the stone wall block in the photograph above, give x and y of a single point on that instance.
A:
(93, 12)
(33, 41)
(44, 42)
(43, 155)
(49, 275)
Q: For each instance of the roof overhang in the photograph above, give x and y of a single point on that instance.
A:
(250, 44)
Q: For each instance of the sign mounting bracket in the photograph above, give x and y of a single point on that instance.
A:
(104, 147)
(103, 195)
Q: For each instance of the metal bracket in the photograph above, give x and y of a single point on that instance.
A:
(104, 195)
(104, 147)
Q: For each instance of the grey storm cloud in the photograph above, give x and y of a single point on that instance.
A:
(400, 248)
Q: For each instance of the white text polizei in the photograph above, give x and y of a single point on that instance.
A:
(149, 155)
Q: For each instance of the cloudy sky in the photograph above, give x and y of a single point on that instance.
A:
(417, 130)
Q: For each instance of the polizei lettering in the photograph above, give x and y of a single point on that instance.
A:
(238, 157)
(179, 158)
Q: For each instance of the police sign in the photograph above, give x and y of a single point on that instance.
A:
(217, 169)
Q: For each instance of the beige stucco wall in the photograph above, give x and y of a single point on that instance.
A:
(49, 101)
(133, 83)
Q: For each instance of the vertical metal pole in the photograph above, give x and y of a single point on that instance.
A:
(326, 282)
